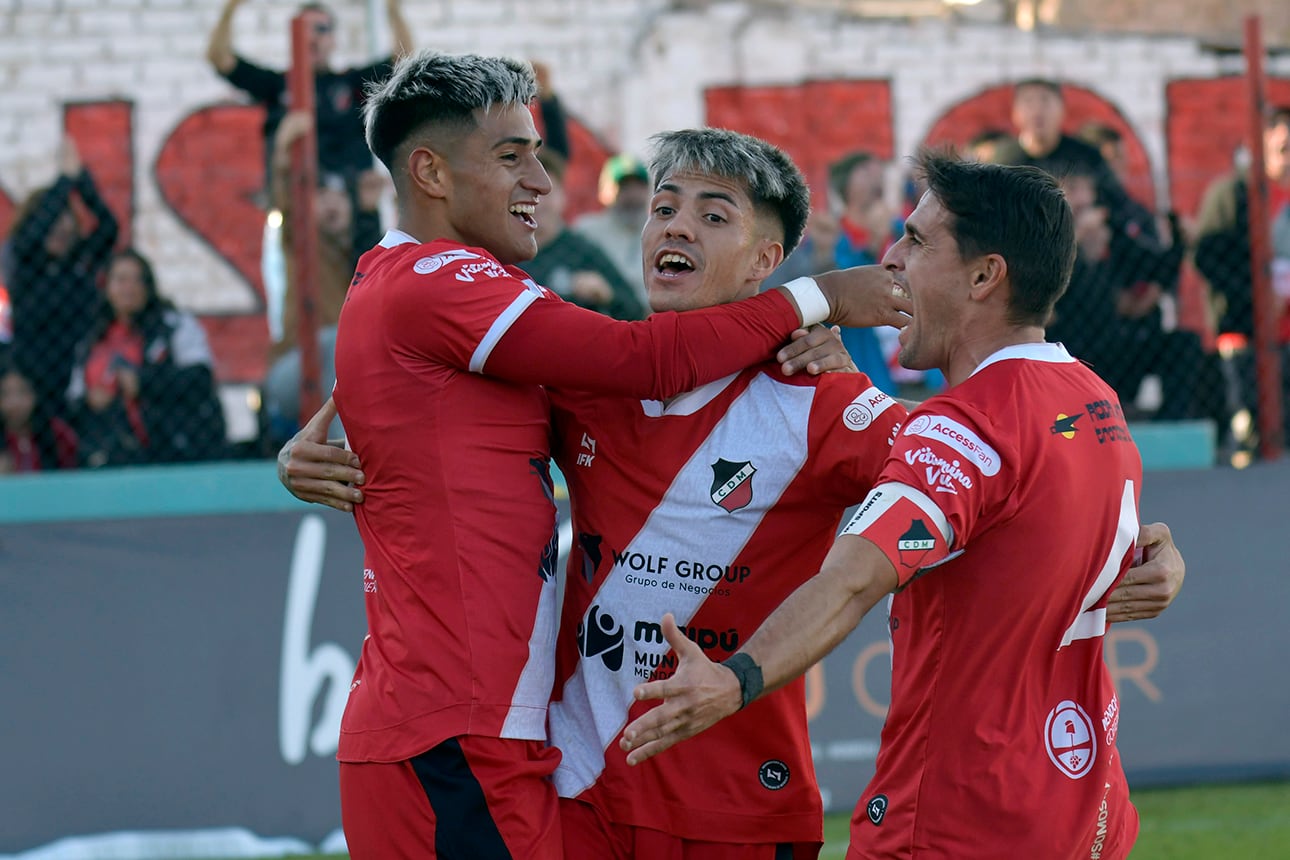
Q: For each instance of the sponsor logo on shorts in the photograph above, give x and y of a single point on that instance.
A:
(876, 808)
(859, 413)
(962, 439)
(435, 262)
(773, 774)
(1069, 737)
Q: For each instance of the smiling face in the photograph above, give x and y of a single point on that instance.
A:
(705, 243)
(925, 262)
(492, 183)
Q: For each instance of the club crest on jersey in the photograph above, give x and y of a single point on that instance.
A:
(1070, 740)
(435, 262)
(732, 484)
(915, 544)
(1064, 425)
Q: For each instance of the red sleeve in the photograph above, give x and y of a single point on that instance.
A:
(460, 307)
(949, 473)
(558, 344)
(853, 424)
(956, 457)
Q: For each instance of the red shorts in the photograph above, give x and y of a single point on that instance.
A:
(590, 835)
(473, 798)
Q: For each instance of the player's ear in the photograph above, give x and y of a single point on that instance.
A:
(770, 253)
(987, 274)
(428, 172)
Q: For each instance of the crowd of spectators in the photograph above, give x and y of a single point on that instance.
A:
(97, 368)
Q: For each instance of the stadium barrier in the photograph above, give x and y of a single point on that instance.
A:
(177, 645)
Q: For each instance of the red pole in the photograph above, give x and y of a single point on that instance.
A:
(304, 226)
(1266, 351)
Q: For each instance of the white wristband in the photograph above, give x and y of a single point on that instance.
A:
(810, 299)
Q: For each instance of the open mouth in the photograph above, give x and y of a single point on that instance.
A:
(524, 211)
(899, 289)
(672, 263)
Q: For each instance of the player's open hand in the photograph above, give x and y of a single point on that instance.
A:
(698, 694)
(816, 350)
(864, 297)
(1149, 587)
(314, 470)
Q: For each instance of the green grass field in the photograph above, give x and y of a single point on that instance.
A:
(1227, 822)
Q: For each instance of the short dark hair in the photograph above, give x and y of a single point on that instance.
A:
(1043, 83)
(1278, 115)
(774, 183)
(840, 171)
(432, 88)
(1018, 212)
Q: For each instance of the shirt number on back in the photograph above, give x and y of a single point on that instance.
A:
(1091, 622)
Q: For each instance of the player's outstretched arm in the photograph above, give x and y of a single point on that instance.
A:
(315, 470)
(1149, 587)
(808, 625)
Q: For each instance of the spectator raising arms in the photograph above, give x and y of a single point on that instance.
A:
(142, 390)
(339, 94)
(52, 279)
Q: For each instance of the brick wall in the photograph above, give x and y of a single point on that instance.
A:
(181, 156)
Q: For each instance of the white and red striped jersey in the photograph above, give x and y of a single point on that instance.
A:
(713, 507)
(1009, 509)
(440, 355)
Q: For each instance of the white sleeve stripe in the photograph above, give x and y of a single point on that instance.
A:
(500, 326)
(884, 497)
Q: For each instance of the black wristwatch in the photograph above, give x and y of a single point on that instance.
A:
(749, 675)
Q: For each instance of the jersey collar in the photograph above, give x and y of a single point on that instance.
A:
(1052, 353)
(397, 237)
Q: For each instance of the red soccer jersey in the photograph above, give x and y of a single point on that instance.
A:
(715, 508)
(1009, 508)
(437, 353)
